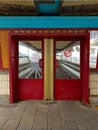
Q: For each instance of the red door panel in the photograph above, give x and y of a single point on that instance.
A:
(68, 89)
(30, 89)
(30, 68)
(67, 72)
(22, 86)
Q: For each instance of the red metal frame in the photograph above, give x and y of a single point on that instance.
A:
(13, 50)
(76, 89)
(15, 92)
(49, 35)
(67, 29)
(85, 46)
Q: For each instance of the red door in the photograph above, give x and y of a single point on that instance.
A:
(67, 71)
(30, 70)
(26, 68)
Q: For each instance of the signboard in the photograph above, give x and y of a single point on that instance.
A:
(67, 53)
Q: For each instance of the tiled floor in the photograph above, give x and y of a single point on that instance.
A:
(42, 115)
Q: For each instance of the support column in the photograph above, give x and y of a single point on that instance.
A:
(85, 68)
(48, 69)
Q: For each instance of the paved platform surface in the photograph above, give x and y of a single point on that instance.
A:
(44, 115)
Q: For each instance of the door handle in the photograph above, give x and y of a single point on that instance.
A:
(40, 63)
(56, 63)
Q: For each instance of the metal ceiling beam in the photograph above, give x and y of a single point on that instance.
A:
(18, 2)
(78, 2)
(45, 1)
(17, 13)
(81, 13)
(48, 22)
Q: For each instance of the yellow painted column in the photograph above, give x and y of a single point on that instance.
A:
(48, 69)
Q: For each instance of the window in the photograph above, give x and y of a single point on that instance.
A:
(68, 60)
(93, 49)
(30, 54)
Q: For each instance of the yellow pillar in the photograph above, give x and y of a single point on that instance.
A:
(48, 69)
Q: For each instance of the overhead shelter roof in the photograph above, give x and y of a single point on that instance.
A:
(49, 13)
(49, 7)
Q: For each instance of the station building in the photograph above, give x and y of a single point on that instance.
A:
(48, 50)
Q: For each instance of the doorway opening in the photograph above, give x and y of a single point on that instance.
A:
(29, 81)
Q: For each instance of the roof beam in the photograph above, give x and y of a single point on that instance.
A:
(79, 2)
(18, 2)
(17, 13)
(89, 13)
(45, 1)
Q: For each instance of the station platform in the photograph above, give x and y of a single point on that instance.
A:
(48, 115)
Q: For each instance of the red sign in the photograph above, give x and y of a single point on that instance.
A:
(67, 53)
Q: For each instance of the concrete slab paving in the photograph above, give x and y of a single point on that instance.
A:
(42, 115)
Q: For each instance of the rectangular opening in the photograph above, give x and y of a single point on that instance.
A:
(68, 60)
(30, 60)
